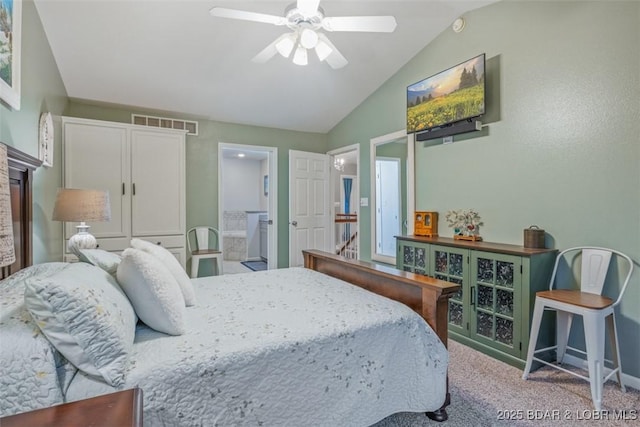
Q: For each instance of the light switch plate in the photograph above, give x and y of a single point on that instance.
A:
(364, 201)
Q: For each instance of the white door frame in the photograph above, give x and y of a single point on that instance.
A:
(332, 154)
(272, 260)
(411, 204)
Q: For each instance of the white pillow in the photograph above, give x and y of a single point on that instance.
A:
(152, 290)
(87, 318)
(172, 264)
(108, 261)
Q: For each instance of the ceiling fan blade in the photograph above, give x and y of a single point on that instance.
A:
(222, 12)
(268, 52)
(374, 24)
(335, 58)
(308, 7)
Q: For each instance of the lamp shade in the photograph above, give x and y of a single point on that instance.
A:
(7, 251)
(82, 205)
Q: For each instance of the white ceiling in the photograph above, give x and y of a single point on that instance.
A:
(172, 55)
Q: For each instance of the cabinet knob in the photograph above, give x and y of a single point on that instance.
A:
(159, 243)
(98, 245)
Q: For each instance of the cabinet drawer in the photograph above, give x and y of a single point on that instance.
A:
(178, 252)
(165, 241)
(120, 244)
(111, 245)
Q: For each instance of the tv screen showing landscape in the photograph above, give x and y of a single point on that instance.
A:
(450, 96)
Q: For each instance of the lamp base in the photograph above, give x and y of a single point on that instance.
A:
(81, 240)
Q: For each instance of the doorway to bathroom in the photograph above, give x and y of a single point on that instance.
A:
(247, 187)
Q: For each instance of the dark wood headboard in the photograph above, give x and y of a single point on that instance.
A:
(21, 167)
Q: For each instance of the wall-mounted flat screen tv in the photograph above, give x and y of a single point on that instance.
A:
(450, 96)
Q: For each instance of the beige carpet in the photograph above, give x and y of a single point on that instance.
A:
(483, 388)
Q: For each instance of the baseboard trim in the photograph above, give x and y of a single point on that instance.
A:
(629, 381)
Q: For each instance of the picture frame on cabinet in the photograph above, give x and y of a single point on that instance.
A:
(10, 49)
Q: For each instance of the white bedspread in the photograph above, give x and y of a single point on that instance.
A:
(285, 347)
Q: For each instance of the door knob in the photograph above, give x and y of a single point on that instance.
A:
(294, 223)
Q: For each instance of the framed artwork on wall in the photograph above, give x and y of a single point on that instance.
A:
(10, 42)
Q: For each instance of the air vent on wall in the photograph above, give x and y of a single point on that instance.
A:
(163, 122)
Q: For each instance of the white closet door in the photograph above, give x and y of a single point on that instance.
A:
(96, 157)
(157, 183)
(308, 204)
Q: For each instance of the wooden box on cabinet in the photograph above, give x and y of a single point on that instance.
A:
(425, 223)
(493, 310)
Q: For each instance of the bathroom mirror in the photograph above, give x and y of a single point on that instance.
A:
(392, 192)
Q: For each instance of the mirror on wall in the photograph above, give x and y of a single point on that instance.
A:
(391, 193)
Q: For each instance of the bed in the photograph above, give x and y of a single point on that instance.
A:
(290, 346)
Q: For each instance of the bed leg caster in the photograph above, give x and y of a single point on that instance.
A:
(440, 415)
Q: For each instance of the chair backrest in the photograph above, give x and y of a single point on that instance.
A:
(593, 268)
(204, 237)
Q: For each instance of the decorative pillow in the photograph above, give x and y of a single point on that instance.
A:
(153, 291)
(86, 316)
(172, 264)
(28, 362)
(108, 261)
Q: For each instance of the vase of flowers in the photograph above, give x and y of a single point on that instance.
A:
(465, 223)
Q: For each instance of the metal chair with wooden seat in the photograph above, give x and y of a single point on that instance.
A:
(207, 246)
(596, 310)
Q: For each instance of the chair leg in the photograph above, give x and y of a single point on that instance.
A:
(538, 310)
(615, 350)
(219, 265)
(195, 261)
(563, 328)
(594, 337)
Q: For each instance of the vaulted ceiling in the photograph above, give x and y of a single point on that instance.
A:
(172, 55)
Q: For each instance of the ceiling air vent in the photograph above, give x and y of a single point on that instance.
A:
(163, 122)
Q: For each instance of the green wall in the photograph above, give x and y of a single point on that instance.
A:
(562, 145)
(42, 90)
(202, 159)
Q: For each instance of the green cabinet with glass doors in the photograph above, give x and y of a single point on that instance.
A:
(492, 311)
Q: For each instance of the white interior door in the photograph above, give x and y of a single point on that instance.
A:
(309, 205)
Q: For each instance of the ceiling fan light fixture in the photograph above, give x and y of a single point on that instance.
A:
(306, 20)
(300, 57)
(286, 45)
(323, 50)
(308, 38)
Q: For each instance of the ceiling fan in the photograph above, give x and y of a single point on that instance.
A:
(306, 19)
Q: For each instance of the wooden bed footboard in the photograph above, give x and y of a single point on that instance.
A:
(425, 295)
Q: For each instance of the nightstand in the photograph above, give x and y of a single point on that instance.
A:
(120, 409)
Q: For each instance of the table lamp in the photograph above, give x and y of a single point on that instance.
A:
(79, 205)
